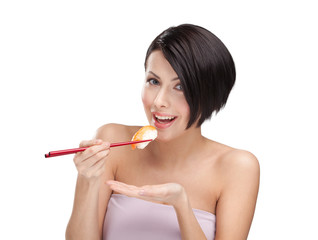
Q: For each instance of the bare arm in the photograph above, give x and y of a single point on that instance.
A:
(90, 164)
(83, 221)
(189, 225)
(92, 194)
(236, 205)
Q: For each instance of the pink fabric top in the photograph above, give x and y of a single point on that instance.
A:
(136, 219)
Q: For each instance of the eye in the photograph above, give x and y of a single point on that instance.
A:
(153, 81)
(179, 87)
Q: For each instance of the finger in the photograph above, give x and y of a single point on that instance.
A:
(154, 192)
(150, 192)
(89, 153)
(92, 160)
(88, 143)
(129, 190)
(121, 185)
(97, 169)
(161, 193)
(101, 169)
(126, 189)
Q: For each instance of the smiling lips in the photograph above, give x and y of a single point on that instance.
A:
(163, 120)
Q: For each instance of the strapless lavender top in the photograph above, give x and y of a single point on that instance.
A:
(135, 219)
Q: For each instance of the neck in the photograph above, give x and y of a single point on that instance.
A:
(177, 152)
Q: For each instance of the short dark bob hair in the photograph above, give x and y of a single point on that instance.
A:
(203, 64)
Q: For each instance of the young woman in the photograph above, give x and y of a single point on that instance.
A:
(182, 185)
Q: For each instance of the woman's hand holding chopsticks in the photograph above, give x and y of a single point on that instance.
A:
(91, 162)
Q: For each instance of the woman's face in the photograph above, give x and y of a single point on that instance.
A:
(164, 102)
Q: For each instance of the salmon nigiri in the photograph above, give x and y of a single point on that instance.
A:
(144, 133)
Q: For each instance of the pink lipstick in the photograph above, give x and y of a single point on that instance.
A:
(163, 120)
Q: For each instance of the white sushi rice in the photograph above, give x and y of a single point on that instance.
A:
(152, 134)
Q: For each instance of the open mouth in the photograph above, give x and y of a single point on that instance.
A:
(164, 120)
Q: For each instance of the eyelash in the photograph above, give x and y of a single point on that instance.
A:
(151, 82)
(179, 85)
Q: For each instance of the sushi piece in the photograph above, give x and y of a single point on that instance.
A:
(144, 133)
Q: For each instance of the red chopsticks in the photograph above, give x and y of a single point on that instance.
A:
(75, 150)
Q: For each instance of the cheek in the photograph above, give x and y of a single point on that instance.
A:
(146, 97)
(183, 107)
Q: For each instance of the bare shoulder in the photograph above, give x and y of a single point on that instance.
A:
(239, 171)
(234, 163)
(240, 159)
(113, 132)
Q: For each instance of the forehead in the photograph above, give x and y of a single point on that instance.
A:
(158, 64)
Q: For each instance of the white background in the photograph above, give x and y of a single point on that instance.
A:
(68, 67)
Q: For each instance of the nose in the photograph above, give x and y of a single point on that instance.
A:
(162, 99)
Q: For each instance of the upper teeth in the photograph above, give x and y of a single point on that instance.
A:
(164, 117)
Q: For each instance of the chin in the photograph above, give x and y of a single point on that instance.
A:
(163, 139)
(168, 136)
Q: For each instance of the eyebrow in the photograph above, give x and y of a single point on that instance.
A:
(176, 78)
